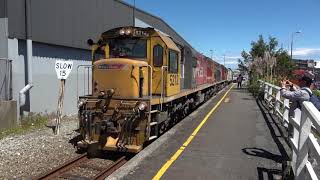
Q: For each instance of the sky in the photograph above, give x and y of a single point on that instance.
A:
(229, 26)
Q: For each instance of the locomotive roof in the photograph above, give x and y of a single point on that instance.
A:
(169, 42)
(148, 32)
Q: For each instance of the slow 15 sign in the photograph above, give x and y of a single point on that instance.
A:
(63, 68)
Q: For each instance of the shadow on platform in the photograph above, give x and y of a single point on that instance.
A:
(279, 135)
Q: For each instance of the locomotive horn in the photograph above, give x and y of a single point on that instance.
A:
(90, 42)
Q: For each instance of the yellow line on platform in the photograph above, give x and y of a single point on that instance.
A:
(166, 166)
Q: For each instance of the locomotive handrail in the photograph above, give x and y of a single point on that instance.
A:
(150, 96)
(161, 94)
(78, 78)
(150, 84)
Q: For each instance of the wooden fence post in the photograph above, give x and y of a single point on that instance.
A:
(265, 92)
(277, 103)
(295, 121)
(286, 112)
(302, 155)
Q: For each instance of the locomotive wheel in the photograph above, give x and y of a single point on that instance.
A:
(162, 128)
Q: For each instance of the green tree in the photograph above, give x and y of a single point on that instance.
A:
(258, 48)
(284, 65)
(265, 60)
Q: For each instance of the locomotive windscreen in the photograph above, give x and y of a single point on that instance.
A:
(128, 48)
(99, 54)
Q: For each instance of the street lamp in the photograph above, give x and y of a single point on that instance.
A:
(211, 51)
(297, 32)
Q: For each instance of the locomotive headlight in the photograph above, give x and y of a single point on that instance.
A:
(142, 106)
(128, 31)
(81, 102)
(122, 31)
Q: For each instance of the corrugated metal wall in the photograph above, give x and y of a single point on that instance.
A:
(71, 22)
(47, 85)
(44, 94)
(3, 8)
(5, 79)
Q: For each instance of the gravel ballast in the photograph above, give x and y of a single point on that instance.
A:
(31, 154)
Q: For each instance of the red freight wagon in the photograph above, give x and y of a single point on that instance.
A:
(223, 73)
(210, 76)
(201, 70)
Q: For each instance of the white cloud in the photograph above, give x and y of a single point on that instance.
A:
(233, 57)
(231, 62)
(306, 51)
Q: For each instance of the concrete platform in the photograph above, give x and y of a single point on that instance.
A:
(238, 141)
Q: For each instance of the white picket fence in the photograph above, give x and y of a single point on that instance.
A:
(305, 121)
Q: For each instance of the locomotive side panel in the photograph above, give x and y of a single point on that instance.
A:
(189, 68)
(158, 61)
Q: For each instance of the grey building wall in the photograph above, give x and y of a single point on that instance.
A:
(8, 114)
(3, 8)
(59, 30)
(70, 23)
(5, 65)
(67, 23)
(3, 38)
(43, 96)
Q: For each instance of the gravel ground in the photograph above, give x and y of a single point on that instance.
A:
(26, 156)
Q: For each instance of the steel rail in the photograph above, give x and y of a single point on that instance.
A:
(63, 168)
(110, 169)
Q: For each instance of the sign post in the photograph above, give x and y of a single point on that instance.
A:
(63, 69)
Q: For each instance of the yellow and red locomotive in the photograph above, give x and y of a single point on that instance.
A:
(143, 82)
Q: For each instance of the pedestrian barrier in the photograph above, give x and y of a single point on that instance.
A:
(305, 122)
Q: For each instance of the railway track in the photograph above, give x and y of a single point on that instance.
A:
(82, 167)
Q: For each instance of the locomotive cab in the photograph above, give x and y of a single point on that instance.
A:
(130, 66)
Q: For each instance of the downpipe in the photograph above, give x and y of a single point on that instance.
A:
(24, 90)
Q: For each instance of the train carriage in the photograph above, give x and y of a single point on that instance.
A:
(210, 75)
(201, 70)
(137, 92)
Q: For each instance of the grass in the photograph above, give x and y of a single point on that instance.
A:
(28, 123)
(316, 93)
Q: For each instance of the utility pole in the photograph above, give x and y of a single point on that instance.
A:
(133, 13)
(211, 51)
(292, 35)
(224, 60)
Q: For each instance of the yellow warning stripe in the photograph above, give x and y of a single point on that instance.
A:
(166, 166)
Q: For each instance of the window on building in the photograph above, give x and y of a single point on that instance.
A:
(157, 55)
(173, 61)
